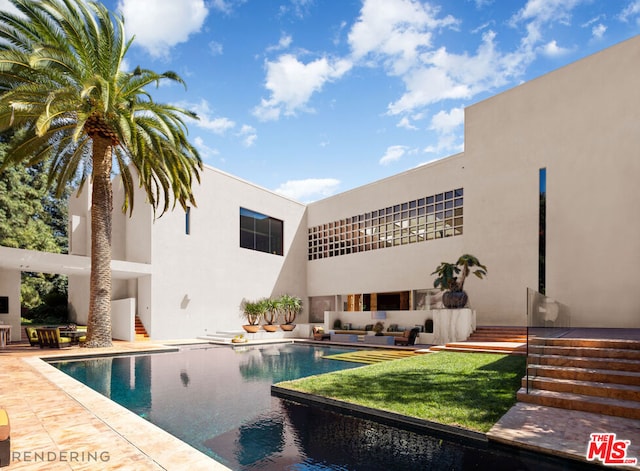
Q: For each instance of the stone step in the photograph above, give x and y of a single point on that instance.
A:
(613, 353)
(617, 364)
(496, 338)
(624, 392)
(586, 374)
(571, 401)
(478, 348)
(617, 344)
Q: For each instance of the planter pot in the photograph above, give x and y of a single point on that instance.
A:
(454, 299)
(287, 327)
(270, 327)
(252, 329)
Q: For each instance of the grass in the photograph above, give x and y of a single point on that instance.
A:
(470, 390)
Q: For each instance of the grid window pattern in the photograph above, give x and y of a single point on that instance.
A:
(260, 232)
(429, 218)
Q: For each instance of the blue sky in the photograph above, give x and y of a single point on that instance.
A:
(314, 97)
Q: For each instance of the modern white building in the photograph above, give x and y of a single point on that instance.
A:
(545, 194)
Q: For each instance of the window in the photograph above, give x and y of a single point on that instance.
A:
(427, 218)
(187, 221)
(260, 232)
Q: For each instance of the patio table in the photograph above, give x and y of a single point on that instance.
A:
(74, 335)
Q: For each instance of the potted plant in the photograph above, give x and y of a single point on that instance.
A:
(271, 314)
(252, 311)
(290, 308)
(451, 278)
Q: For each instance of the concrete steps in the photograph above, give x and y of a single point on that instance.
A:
(591, 375)
(489, 339)
(141, 332)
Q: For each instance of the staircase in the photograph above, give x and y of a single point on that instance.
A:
(489, 339)
(591, 375)
(141, 332)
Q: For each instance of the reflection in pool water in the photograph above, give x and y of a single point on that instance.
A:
(218, 399)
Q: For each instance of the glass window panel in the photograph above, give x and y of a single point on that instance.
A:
(439, 197)
(459, 192)
(430, 200)
(430, 209)
(448, 195)
(405, 206)
(421, 202)
(448, 204)
(457, 212)
(439, 207)
(458, 202)
(457, 222)
(448, 214)
(421, 210)
(412, 204)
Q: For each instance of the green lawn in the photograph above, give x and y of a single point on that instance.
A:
(470, 390)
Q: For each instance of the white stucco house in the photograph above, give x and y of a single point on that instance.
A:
(572, 135)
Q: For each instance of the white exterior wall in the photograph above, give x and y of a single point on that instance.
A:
(10, 286)
(200, 279)
(405, 267)
(582, 123)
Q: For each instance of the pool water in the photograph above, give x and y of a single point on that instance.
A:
(218, 399)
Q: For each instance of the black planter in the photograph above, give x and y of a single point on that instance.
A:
(454, 299)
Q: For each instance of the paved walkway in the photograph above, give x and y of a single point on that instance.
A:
(561, 432)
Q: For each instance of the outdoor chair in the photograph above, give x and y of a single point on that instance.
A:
(32, 335)
(50, 337)
(319, 334)
(408, 338)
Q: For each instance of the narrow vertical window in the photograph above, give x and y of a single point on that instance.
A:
(187, 221)
(542, 234)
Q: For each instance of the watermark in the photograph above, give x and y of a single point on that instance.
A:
(56, 456)
(605, 447)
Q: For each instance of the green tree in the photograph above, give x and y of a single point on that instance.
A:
(64, 89)
(31, 218)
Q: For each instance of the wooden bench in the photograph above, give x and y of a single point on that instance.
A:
(50, 337)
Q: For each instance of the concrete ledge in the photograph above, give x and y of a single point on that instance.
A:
(379, 339)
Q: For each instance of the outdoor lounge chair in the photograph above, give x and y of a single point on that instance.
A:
(408, 338)
(319, 334)
(50, 337)
(32, 335)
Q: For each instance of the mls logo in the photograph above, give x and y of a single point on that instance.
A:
(605, 447)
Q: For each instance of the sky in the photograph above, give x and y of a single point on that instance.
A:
(310, 98)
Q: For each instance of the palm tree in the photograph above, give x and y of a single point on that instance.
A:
(64, 93)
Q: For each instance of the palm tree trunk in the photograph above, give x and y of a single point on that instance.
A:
(99, 325)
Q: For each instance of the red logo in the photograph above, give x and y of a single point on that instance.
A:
(605, 447)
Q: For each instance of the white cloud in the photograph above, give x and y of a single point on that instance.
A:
(395, 31)
(284, 43)
(309, 190)
(551, 49)
(449, 129)
(218, 125)
(598, 31)
(630, 11)
(393, 154)
(248, 135)
(406, 124)
(215, 48)
(160, 24)
(447, 122)
(292, 83)
(536, 14)
(205, 151)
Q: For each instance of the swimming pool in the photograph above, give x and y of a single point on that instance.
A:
(218, 399)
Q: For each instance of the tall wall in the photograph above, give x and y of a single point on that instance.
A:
(581, 123)
(389, 269)
(199, 279)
